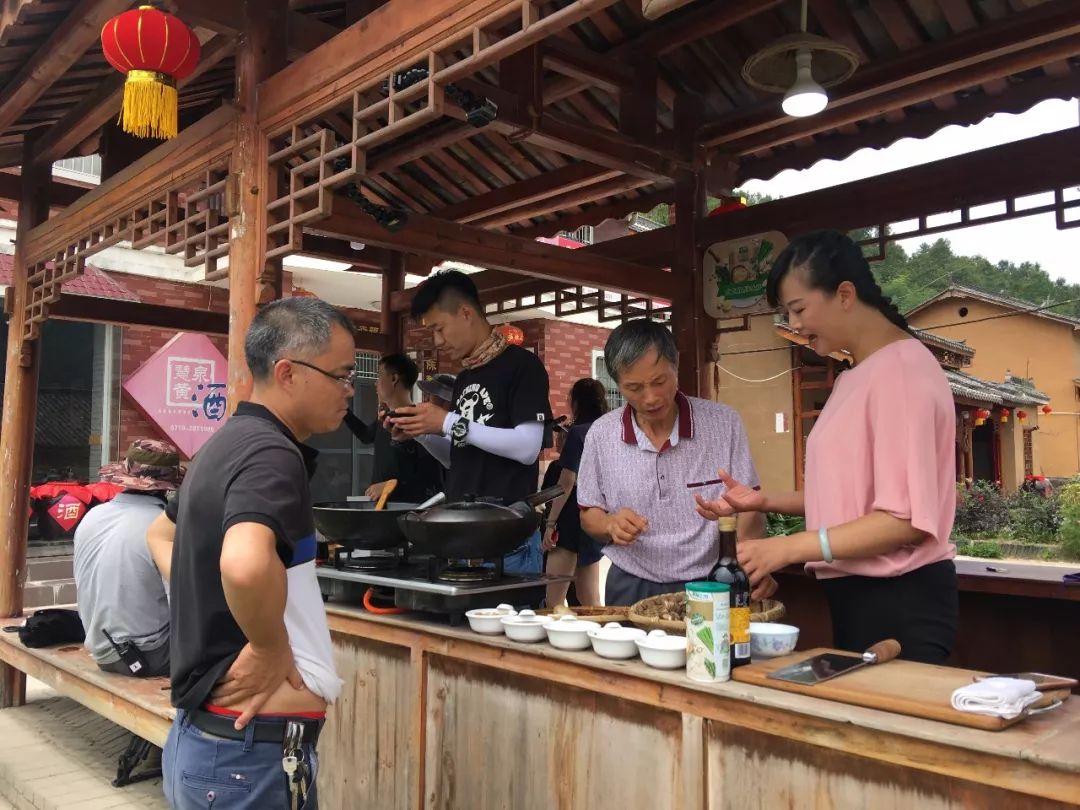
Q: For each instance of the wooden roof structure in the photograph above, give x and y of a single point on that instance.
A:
(923, 64)
(465, 129)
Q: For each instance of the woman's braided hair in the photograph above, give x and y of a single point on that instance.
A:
(829, 259)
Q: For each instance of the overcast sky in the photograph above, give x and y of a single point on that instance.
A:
(1028, 239)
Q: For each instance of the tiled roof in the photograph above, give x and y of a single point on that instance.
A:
(958, 346)
(958, 291)
(93, 282)
(1013, 391)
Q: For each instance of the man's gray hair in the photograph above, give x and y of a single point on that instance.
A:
(290, 328)
(632, 340)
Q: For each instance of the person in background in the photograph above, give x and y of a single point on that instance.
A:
(438, 389)
(880, 491)
(418, 474)
(252, 661)
(570, 550)
(637, 463)
(120, 590)
(490, 442)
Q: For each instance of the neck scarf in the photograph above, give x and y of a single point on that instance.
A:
(492, 347)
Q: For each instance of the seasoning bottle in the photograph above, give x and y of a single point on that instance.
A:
(729, 572)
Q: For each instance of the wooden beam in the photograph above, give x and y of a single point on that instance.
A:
(253, 279)
(1012, 44)
(594, 215)
(587, 66)
(374, 259)
(1017, 99)
(92, 309)
(1030, 166)
(544, 186)
(569, 199)
(449, 240)
(19, 415)
(103, 104)
(80, 29)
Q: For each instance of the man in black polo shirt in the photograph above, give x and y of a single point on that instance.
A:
(252, 662)
(491, 441)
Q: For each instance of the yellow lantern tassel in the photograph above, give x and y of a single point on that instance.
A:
(150, 102)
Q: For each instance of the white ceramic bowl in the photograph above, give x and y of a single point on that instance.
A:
(769, 640)
(488, 621)
(662, 651)
(525, 626)
(615, 641)
(569, 633)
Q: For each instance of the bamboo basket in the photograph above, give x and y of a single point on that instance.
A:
(600, 614)
(767, 610)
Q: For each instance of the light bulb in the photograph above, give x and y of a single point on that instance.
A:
(806, 97)
(357, 245)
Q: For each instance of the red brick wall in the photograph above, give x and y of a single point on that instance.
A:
(568, 349)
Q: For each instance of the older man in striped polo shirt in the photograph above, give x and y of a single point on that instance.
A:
(638, 460)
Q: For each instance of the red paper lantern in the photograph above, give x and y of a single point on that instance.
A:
(981, 415)
(513, 334)
(1047, 409)
(1004, 414)
(155, 50)
(1021, 415)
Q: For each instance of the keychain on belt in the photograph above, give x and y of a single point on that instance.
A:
(294, 764)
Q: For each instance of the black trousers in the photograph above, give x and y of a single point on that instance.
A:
(919, 609)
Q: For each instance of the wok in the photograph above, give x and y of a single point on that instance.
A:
(475, 529)
(357, 526)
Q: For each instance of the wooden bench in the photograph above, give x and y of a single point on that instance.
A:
(141, 705)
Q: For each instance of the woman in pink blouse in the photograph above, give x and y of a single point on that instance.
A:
(880, 491)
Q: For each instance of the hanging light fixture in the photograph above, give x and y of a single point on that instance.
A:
(801, 66)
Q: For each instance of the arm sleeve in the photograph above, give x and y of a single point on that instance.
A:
(268, 490)
(908, 457)
(438, 446)
(365, 433)
(520, 444)
(590, 480)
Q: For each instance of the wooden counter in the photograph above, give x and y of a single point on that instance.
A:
(441, 718)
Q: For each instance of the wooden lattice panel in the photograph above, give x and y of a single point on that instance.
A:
(311, 158)
(608, 306)
(186, 219)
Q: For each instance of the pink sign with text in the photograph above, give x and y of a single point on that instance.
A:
(181, 390)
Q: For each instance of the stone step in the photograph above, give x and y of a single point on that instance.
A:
(45, 568)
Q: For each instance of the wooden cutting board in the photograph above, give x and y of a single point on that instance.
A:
(901, 687)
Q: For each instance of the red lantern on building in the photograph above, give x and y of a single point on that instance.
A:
(1046, 409)
(513, 334)
(1022, 415)
(1003, 414)
(981, 415)
(155, 50)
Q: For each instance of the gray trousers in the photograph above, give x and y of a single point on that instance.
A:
(157, 663)
(626, 589)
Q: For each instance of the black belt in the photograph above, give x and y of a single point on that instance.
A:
(267, 729)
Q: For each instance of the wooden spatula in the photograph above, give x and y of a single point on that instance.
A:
(388, 487)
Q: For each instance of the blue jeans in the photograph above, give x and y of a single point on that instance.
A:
(526, 559)
(206, 772)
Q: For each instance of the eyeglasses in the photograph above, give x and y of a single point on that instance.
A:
(348, 380)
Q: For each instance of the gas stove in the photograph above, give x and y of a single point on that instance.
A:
(437, 586)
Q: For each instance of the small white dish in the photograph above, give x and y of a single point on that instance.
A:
(569, 633)
(488, 621)
(615, 641)
(770, 640)
(662, 651)
(525, 626)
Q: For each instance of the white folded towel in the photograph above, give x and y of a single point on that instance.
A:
(998, 697)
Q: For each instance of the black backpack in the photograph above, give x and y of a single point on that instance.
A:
(50, 626)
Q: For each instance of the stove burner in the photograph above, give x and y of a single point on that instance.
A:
(345, 560)
(466, 573)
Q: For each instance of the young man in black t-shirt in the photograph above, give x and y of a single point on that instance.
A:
(492, 438)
